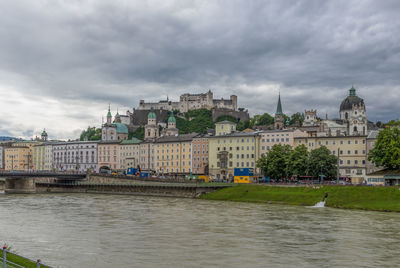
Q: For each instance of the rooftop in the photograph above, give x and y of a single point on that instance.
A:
(132, 141)
(179, 138)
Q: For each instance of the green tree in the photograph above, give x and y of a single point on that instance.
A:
(242, 125)
(274, 164)
(393, 123)
(226, 118)
(322, 162)
(195, 121)
(297, 117)
(262, 120)
(138, 133)
(91, 134)
(297, 161)
(386, 152)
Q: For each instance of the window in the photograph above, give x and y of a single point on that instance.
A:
(348, 162)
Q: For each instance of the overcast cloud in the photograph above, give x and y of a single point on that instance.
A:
(62, 62)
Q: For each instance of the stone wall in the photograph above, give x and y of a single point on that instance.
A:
(240, 115)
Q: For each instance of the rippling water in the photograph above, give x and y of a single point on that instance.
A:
(129, 231)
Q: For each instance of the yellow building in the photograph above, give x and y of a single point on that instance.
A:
(129, 153)
(234, 150)
(224, 127)
(352, 153)
(39, 155)
(19, 156)
(174, 154)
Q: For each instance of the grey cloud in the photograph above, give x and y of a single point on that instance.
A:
(121, 52)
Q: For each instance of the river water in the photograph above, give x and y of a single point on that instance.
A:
(93, 230)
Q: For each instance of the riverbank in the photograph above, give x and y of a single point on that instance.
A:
(347, 197)
(24, 262)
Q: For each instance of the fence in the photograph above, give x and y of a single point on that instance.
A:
(23, 262)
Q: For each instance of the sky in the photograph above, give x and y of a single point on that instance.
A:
(63, 61)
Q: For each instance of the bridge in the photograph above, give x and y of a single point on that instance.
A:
(24, 182)
(56, 182)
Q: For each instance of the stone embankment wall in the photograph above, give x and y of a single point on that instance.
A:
(155, 189)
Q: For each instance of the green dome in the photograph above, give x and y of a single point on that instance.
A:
(152, 114)
(171, 118)
(44, 133)
(121, 128)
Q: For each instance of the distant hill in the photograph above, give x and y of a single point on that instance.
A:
(5, 138)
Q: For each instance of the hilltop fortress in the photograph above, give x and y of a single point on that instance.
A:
(189, 102)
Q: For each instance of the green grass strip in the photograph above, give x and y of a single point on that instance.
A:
(21, 261)
(348, 197)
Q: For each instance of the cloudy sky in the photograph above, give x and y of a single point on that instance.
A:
(63, 61)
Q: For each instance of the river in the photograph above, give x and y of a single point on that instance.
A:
(94, 230)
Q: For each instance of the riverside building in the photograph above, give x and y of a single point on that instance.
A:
(77, 156)
(351, 151)
(229, 150)
(129, 153)
(174, 154)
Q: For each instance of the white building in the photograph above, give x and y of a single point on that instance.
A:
(75, 156)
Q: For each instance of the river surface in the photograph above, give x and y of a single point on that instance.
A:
(93, 230)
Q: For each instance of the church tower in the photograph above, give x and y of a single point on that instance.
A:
(353, 113)
(151, 129)
(279, 119)
(44, 135)
(109, 116)
(171, 130)
(117, 118)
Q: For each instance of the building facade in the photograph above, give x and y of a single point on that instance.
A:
(371, 140)
(224, 127)
(108, 155)
(77, 156)
(269, 138)
(43, 157)
(18, 158)
(174, 154)
(200, 154)
(235, 150)
(129, 153)
(350, 150)
(146, 155)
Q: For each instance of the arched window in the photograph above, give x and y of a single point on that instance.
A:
(355, 129)
(346, 115)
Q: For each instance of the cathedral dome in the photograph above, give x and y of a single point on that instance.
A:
(171, 118)
(121, 128)
(347, 103)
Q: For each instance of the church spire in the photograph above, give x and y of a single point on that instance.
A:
(279, 107)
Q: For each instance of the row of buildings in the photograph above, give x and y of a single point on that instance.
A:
(350, 138)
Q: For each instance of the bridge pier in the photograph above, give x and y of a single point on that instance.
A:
(24, 185)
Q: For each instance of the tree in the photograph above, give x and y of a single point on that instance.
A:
(297, 117)
(195, 121)
(91, 134)
(262, 120)
(226, 118)
(138, 133)
(322, 162)
(242, 125)
(297, 161)
(274, 164)
(386, 152)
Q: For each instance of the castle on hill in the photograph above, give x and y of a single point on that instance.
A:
(189, 102)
